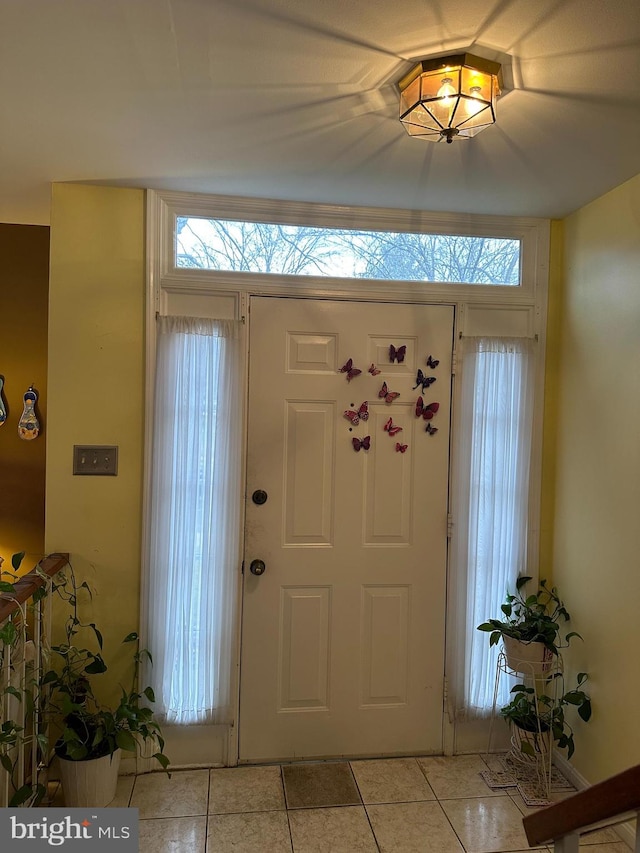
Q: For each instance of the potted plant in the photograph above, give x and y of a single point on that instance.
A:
(537, 719)
(93, 734)
(530, 630)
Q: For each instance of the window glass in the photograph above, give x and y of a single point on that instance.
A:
(260, 247)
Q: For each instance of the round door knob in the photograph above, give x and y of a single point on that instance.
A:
(257, 567)
(259, 497)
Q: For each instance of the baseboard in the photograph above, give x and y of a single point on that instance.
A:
(625, 831)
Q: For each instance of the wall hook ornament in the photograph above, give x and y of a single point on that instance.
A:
(3, 408)
(29, 425)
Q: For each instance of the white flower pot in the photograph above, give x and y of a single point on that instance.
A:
(530, 658)
(89, 783)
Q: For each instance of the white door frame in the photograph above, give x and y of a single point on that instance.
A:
(479, 310)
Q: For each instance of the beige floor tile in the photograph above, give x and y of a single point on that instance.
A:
(331, 830)
(457, 776)
(173, 835)
(183, 795)
(413, 828)
(249, 833)
(599, 836)
(123, 792)
(618, 847)
(487, 824)
(245, 789)
(392, 780)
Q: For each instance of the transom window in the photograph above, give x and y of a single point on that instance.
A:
(228, 245)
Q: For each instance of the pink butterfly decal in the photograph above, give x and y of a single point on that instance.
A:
(389, 396)
(361, 415)
(401, 448)
(350, 370)
(431, 429)
(426, 411)
(432, 362)
(397, 354)
(373, 370)
(423, 380)
(364, 443)
(391, 428)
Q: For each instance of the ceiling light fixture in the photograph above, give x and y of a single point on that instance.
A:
(449, 97)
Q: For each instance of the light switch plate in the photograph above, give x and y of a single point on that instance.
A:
(95, 459)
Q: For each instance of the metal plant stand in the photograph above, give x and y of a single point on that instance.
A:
(529, 769)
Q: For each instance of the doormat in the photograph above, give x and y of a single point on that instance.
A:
(531, 782)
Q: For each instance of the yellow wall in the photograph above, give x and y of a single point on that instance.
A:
(24, 282)
(596, 413)
(552, 370)
(96, 396)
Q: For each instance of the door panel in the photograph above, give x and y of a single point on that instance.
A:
(343, 635)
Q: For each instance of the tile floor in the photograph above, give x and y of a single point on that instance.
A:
(399, 805)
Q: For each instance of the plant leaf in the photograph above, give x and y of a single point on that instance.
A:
(125, 740)
(17, 559)
(96, 666)
(21, 795)
(97, 633)
(585, 710)
(164, 761)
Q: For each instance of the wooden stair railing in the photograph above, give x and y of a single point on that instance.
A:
(29, 583)
(27, 773)
(610, 801)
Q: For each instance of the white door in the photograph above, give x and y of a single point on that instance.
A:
(343, 633)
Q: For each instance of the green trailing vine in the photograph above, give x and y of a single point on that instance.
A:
(64, 695)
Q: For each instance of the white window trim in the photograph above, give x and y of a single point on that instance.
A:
(168, 206)
(232, 291)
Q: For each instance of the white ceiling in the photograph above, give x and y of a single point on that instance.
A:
(295, 99)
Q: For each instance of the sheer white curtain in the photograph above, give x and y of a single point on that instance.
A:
(193, 554)
(491, 490)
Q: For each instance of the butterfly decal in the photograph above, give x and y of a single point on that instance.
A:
(391, 428)
(401, 448)
(432, 362)
(373, 370)
(397, 354)
(423, 380)
(389, 396)
(364, 443)
(431, 429)
(426, 411)
(350, 370)
(361, 415)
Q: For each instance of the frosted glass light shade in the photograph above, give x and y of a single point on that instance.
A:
(449, 97)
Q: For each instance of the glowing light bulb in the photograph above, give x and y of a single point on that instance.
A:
(473, 106)
(446, 90)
